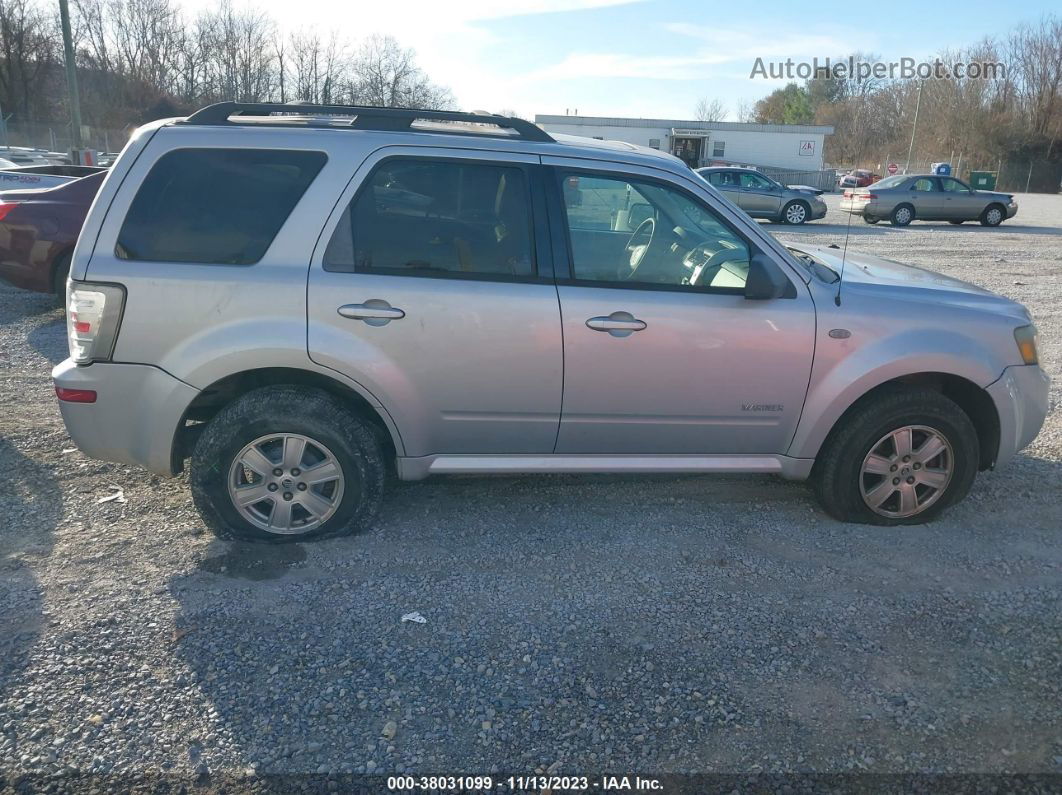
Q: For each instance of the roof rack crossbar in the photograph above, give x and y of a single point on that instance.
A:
(366, 117)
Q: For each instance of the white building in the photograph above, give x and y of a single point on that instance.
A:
(703, 143)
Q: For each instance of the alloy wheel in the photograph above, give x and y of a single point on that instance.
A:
(795, 214)
(906, 471)
(286, 483)
(994, 216)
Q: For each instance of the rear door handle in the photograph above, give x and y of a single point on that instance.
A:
(618, 324)
(375, 312)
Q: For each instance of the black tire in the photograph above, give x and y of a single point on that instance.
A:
(870, 219)
(837, 474)
(60, 273)
(287, 409)
(785, 210)
(988, 218)
(899, 219)
(957, 222)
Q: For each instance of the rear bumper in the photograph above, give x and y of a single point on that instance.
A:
(135, 417)
(1020, 396)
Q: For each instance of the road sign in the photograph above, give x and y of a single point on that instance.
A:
(892, 168)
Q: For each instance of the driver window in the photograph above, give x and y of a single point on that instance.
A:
(925, 185)
(954, 186)
(637, 232)
(750, 180)
(604, 204)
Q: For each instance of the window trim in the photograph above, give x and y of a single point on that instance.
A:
(563, 253)
(226, 149)
(541, 261)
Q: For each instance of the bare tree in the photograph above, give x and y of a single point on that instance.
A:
(28, 51)
(387, 75)
(710, 110)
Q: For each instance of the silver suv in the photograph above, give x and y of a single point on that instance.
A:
(301, 300)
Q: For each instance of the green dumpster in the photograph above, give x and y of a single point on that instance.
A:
(983, 180)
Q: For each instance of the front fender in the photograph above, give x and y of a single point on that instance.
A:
(844, 371)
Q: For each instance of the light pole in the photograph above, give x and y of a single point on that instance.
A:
(914, 127)
(71, 75)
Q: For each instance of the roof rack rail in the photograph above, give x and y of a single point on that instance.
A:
(366, 117)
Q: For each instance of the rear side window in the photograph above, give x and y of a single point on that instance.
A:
(422, 217)
(215, 206)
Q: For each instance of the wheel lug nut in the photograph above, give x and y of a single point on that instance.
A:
(892, 468)
(917, 466)
(288, 495)
(302, 487)
(910, 480)
(272, 487)
(278, 472)
(896, 481)
(295, 472)
(906, 458)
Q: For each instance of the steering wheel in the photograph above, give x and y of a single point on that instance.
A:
(715, 263)
(635, 250)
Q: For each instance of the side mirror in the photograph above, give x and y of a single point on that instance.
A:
(765, 280)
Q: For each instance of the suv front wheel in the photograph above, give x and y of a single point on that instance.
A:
(901, 457)
(286, 463)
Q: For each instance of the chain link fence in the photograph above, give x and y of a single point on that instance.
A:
(56, 136)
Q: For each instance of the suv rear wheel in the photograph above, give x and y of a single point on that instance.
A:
(900, 458)
(286, 463)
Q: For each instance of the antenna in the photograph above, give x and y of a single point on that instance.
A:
(844, 253)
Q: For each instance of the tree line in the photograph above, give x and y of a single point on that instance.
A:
(1013, 118)
(143, 59)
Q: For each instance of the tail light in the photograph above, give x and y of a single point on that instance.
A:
(75, 395)
(6, 207)
(869, 196)
(93, 312)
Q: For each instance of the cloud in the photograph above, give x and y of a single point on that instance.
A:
(718, 47)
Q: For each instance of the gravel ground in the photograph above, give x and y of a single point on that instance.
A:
(575, 624)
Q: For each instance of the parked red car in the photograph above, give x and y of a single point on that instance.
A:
(860, 178)
(38, 230)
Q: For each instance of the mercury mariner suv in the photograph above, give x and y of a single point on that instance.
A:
(302, 299)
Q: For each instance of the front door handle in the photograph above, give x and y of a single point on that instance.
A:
(375, 312)
(618, 324)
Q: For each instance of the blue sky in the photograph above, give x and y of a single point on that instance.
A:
(641, 57)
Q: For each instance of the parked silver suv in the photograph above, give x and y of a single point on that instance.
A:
(300, 299)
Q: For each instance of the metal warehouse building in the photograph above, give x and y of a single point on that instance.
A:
(702, 143)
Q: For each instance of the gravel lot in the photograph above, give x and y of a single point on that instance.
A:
(576, 624)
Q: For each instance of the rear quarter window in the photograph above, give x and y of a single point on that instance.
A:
(215, 206)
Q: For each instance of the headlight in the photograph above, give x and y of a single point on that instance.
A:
(1027, 340)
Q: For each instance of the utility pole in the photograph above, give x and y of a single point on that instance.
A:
(71, 75)
(914, 127)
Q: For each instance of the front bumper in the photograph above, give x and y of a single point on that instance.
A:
(1020, 395)
(1012, 209)
(818, 209)
(135, 417)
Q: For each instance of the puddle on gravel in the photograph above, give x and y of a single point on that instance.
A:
(255, 561)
